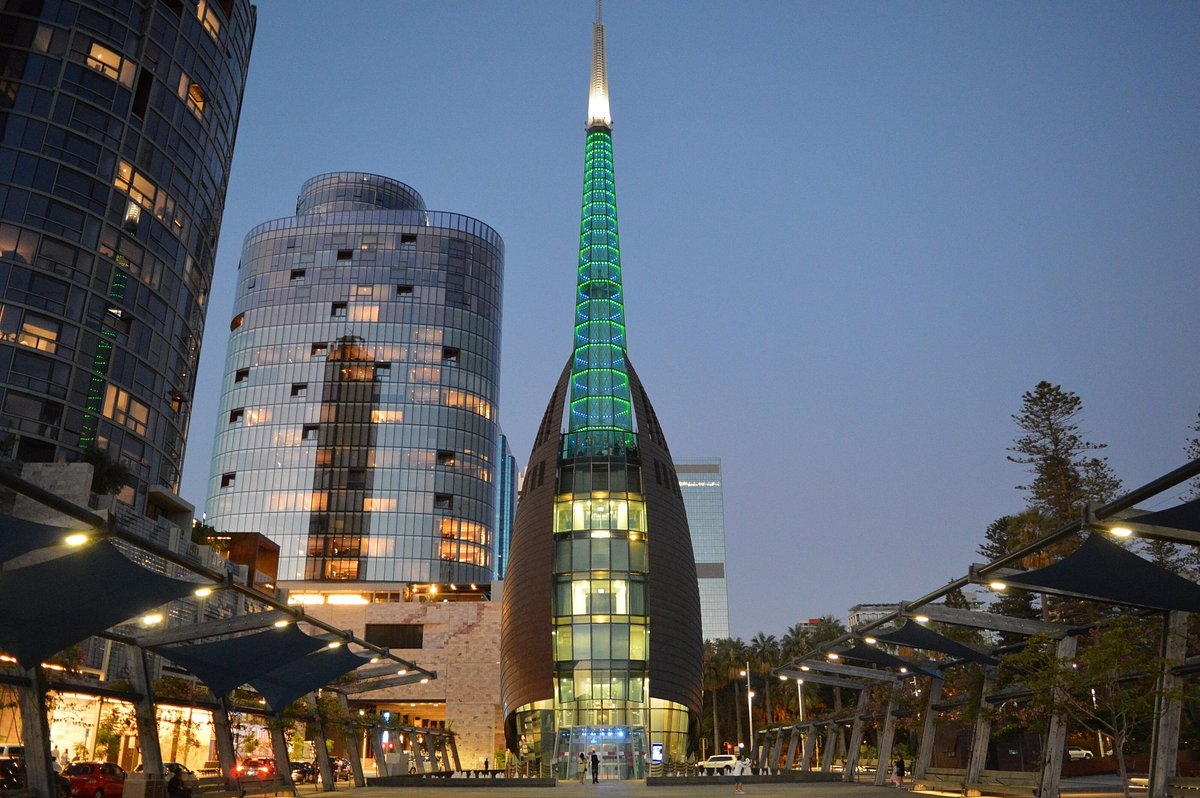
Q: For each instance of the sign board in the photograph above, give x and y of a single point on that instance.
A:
(656, 752)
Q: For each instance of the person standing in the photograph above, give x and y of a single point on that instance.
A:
(583, 766)
(898, 772)
(741, 766)
(595, 767)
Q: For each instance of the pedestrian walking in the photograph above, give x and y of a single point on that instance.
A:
(898, 772)
(595, 767)
(583, 766)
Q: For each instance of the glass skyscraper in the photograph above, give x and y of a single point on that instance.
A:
(700, 481)
(601, 642)
(117, 126)
(357, 424)
(506, 504)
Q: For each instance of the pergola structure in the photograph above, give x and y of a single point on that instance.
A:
(1099, 570)
(60, 586)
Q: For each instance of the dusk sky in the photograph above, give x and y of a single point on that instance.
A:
(853, 234)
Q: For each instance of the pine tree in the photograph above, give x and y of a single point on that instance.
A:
(1193, 453)
(1064, 476)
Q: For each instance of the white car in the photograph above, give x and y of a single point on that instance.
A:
(721, 763)
(1075, 752)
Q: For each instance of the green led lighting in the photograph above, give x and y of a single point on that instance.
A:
(100, 362)
(599, 380)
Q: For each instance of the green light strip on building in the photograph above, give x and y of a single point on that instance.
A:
(101, 361)
(600, 398)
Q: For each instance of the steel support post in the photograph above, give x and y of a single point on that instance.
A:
(324, 765)
(928, 728)
(1164, 746)
(35, 733)
(810, 745)
(793, 740)
(454, 751)
(226, 755)
(856, 735)
(381, 765)
(279, 744)
(830, 744)
(1056, 733)
(353, 748)
(886, 738)
(981, 734)
(145, 717)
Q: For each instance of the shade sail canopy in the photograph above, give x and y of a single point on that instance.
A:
(18, 536)
(871, 654)
(916, 635)
(226, 664)
(1184, 516)
(1101, 570)
(56, 603)
(299, 677)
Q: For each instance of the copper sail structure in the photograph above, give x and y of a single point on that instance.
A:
(601, 644)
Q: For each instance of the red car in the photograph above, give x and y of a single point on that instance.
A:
(96, 779)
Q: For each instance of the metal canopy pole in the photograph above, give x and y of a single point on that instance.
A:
(1164, 747)
(35, 733)
(886, 737)
(1056, 734)
(928, 726)
(981, 735)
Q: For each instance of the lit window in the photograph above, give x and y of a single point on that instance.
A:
(39, 333)
(208, 18)
(110, 64)
(125, 410)
(445, 458)
(387, 416)
(237, 321)
(192, 94)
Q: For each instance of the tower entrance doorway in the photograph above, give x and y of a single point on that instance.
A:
(621, 750)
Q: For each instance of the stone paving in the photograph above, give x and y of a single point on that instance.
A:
(1092, 787)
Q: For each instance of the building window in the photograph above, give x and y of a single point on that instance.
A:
(395, 635)
(208, 18)
(445, 458)
(39, 333)
(408, 238)
(318, 349)
(345, 254)
(309, 432)
(192, 94)
(241, 375)
(228, 478)
(297, 275)
(236, 414)
(237, 321)
(111, 64)
(404, 290)
(443, 501)
(125, 410)
(299, 389)
(337, 310)
(450, 356)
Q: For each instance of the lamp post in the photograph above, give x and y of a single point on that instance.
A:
(749, 709)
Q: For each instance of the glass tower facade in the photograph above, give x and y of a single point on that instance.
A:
(700, 481)
(599, 504)
(117, 126)
(357, 423)
(506, 503)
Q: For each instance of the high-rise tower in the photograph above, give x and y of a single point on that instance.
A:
(601, 644)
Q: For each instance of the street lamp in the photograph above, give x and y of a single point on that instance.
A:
(749, 709)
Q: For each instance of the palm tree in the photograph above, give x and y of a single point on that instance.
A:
(731, 657)
(764, 656)
(716, 677)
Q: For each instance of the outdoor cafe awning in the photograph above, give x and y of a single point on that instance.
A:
(917, 635)
(234, 661)
(301, 676)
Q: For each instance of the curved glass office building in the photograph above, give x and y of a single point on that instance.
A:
(117, 126)
(601, 638)
(357, 424)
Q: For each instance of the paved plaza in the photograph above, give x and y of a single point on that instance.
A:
(1090, 787)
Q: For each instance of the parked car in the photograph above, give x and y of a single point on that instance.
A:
(12, 775)
(96, 779)
(1075, 752)
(719, 763)
(190, 780)
(255, 769)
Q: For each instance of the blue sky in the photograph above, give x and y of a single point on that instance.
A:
(853, 234)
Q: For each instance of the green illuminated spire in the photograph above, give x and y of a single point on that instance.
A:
(599, 378)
